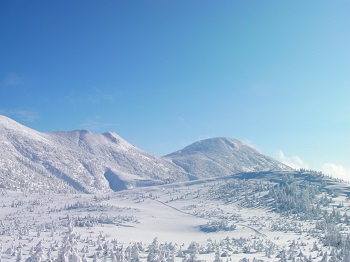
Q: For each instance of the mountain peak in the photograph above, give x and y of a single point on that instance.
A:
(222, 156)
(217, 144)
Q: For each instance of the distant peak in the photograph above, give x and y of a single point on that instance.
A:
(213, 143)
(219, 139)
(219, 145)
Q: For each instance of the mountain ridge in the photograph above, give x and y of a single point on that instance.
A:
(82, 161)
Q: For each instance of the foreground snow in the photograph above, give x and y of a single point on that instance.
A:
(223, 219)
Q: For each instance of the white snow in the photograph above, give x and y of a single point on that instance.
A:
(247, 225)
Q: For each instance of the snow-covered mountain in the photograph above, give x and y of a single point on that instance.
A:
(76, 160)
(86, 162)
(222, 157)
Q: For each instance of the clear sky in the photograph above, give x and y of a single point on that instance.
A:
(163, 74)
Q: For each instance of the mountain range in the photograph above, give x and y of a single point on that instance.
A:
(81, 161)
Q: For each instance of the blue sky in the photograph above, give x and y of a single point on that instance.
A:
(163, 74)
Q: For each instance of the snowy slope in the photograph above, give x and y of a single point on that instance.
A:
(111, 155)
(24, 158)
(222, 157)
(76, 160)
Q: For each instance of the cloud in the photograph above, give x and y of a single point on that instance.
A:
(293, 161)
(28, 116)
(12, 80)
(330, 169)
(337, 171)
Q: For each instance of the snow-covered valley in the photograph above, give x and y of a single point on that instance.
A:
(223, 219)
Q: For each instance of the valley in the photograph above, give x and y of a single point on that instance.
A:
(223, 219)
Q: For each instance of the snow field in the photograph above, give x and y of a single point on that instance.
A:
(229, 220)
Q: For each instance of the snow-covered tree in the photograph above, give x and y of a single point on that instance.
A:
(192, 251)
(38, 255)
